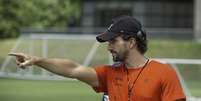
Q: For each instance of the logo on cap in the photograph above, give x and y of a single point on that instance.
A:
(110, 27)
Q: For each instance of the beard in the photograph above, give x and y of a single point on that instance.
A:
(119, 56)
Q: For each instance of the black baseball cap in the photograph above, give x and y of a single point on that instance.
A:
(120, 25)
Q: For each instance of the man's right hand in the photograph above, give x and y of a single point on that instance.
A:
(24, 60)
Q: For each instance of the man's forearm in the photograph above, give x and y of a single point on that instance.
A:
(62, 67)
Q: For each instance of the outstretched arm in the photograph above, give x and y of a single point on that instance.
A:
(63, 67)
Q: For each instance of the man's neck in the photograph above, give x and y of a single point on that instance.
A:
(135, 60)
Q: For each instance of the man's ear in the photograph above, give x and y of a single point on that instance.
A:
(132, 42)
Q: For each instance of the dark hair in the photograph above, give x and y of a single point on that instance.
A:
(141, 40)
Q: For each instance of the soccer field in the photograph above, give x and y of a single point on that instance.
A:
(28, 90)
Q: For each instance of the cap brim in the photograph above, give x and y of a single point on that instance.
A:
(106, 36)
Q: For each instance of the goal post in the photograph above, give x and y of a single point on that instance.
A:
(85, 50)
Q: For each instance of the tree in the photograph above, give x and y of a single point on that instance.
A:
(16, 14)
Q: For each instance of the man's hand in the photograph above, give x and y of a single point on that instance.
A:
(24, 60)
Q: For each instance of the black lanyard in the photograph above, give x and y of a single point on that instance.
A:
(130, 89)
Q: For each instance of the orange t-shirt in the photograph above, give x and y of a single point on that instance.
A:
(157, 82)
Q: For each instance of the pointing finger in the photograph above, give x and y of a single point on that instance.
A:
(15, 54)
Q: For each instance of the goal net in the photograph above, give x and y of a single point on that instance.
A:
(85, 50)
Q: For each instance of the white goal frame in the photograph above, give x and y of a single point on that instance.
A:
(86, 62)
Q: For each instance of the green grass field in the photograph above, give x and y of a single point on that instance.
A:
(28, 90)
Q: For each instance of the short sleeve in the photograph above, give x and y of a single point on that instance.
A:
(101, 72)
(171, 86)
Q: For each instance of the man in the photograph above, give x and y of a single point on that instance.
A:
(132, 77)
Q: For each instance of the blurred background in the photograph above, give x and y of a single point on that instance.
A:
(67, 29)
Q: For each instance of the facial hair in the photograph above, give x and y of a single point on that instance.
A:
(119, 56)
